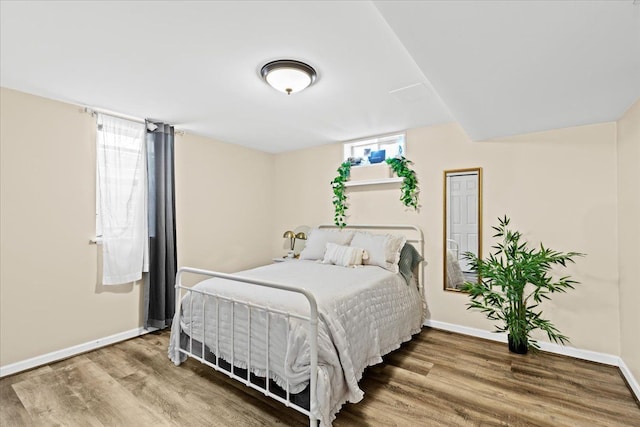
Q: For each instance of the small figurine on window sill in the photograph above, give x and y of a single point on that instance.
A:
(355, 161)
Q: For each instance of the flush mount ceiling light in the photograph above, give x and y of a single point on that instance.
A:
(288, 76)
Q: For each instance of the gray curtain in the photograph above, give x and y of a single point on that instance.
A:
(159, 283)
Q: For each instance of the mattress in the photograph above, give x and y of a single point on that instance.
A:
(363, 313)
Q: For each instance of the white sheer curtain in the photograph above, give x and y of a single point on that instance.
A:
(121, 220)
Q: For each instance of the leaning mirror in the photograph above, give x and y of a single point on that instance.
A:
(462, 224)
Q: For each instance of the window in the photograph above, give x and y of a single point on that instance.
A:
(118, 159)
(359, 151)
(121, 200)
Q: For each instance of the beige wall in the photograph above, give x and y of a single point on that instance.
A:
(629, 236)
(303, 193)
(50, 297)
(558, 187)
(49, 293)
(224, 205)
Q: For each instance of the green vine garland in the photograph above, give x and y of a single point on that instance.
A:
(409, 189)
(399, 165)
(339, 196)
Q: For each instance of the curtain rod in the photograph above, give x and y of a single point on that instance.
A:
(93, 111)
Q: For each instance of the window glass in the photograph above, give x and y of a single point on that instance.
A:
(369, 151)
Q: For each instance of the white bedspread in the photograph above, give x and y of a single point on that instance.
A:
(363, 313)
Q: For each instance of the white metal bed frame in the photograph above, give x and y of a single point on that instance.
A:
(312, 320)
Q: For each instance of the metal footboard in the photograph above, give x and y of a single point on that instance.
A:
(312, 320)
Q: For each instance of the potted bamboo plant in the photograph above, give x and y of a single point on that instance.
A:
(512, 283)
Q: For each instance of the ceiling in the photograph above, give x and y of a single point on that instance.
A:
(498, 68)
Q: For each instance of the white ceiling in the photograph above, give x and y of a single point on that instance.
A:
(505, 68)
(497, 68)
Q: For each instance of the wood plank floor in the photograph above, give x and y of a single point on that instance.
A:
(437, 379)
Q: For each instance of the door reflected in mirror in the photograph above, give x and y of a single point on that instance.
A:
(462, 225)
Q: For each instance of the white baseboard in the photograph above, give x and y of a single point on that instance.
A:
(465, 330)
(70, 351)
(631, 380)
(593, 356)
(578, 353)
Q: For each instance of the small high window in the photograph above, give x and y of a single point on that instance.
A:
(374, 150)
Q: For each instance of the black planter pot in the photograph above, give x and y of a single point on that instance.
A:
(521, 348)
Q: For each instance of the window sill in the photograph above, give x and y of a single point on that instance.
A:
(379, 181)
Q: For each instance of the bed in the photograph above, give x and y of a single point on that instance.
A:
(303, 331)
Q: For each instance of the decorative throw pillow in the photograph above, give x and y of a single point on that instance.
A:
(346, 256)
(317, 242)
(383, 249)
(409, 260)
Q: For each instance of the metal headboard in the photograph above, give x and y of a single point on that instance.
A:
(417, 241)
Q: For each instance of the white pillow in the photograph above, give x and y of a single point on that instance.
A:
(346, 256)
(317, 242)
(383, 249)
